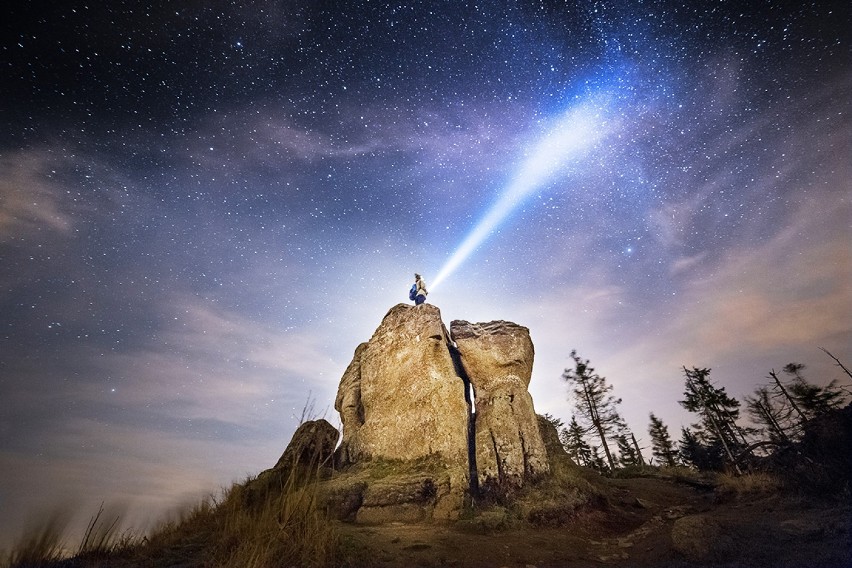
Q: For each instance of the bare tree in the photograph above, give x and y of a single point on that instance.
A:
(784, 392)
(836, 360)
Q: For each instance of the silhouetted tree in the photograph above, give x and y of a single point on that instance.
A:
(837, 361)
(718, 412)
(774, 417)
(813, 400)
(662, 447)
(597, 462)
(574, 440)
(593, 402)
(788, 399)
(701, 454)
(556, 422)
(627, 455)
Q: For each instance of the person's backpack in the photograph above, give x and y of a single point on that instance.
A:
(412, 294)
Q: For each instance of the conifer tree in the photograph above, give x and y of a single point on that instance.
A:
(700, 453)
(627, 455)
(594, 403)
(573, 439)
(775, 417)
(597, 462)
(718, 413)
(662, 447)
(813, 399)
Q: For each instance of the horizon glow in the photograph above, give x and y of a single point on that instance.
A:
(575, 131)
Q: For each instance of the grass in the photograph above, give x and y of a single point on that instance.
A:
(556, 499)
(755, 483)
(269, 521)
(39, 545)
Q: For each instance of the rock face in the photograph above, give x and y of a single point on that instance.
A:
(401, 398)
(348, 404)
(497, 358)
(312, 444)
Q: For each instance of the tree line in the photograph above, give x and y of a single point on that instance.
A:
(598, 437)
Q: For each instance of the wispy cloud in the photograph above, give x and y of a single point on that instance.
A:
(29, 199)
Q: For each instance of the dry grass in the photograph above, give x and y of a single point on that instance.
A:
(756, 483)
(41, 544)
(272, 520)
(266, 522)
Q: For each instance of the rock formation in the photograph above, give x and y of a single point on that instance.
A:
(312, 444)
(407, 452)
(400, 397)
(497, 358)
(348, 404)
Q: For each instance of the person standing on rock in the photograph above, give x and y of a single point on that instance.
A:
(418, 290)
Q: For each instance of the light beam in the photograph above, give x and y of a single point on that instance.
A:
(575, 131)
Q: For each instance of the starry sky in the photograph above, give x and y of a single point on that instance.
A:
(206, 206)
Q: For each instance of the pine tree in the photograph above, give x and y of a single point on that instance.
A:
(812, 399)
(573, 440)
(696, 451)
(627, 455)
(718, 413)
(593, 402)
(662, 447)
(774, 417)
(597, 462)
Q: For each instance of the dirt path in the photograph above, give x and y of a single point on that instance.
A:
(636, 532)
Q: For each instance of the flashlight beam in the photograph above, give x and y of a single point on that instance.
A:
(577, 130)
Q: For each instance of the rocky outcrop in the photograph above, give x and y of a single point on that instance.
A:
(312, 444)
(497, 358)
(411, 447)
(401, 398)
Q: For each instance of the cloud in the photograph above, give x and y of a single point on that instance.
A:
(206, 395)
(783, 292)
(29, 200)
(742, 310)
(206, 362)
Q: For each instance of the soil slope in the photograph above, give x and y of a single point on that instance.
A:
(653, 522)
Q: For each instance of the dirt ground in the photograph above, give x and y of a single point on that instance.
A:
(635, 531)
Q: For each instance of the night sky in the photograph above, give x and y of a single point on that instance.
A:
(206, 206)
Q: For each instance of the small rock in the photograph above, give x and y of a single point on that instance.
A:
(676, 512)
(695, 536)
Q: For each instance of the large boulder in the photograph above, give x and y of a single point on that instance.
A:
(497, 358)
(312, 444)
(401, 398)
